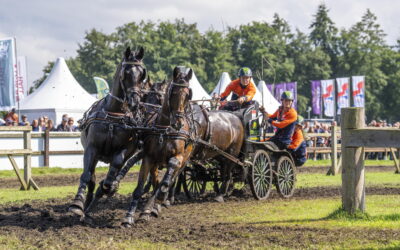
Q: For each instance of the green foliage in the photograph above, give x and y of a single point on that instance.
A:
(272, 50)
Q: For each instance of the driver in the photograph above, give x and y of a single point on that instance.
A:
(298, 147)
(284, 119)
(243, 90)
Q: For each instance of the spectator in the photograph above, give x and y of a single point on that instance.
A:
(71, 126)
(50, 126)
(11, 117)
(64, 125)
(42, 124)
(24, 121)
(35, 126)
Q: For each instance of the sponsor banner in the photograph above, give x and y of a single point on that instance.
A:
(7, 73)
(21, 82)
(292, 87)
(102, 87)
(270, 87)
(343, 93)
(279, 88)
(358, 85)
(316, 97)
(328, 97)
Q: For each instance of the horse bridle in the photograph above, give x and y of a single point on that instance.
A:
(134, 89)
(177, 113)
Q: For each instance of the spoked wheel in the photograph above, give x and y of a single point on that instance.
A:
(260, 176)
(285, 177)
(193, 185)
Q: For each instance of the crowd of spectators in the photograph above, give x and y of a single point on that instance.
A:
(43, 123)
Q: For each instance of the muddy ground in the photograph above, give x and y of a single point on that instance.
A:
(188, 224)
(45, 224)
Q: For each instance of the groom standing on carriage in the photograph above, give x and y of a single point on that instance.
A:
(243, 91)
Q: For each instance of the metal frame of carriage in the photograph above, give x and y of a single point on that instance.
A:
(261, 166)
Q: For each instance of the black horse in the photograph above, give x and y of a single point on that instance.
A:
(105, 135)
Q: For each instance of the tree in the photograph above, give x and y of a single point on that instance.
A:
(362, 49)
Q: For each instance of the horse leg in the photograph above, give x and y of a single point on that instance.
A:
(226, 179)
(145, 215)
(127, 166)
(144, 172)
(89, 162)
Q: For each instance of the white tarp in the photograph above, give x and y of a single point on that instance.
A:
(198, 92)
(222, 84)
(267, 99)
(59, 94)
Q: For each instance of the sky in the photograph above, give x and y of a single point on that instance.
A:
(47, 29)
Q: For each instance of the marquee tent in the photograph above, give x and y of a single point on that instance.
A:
(59, 94)
(198, 92)
(267, 99)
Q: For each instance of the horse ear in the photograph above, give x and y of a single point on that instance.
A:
(127, 53)
(144, 76)
(140, 54)
(189, 75)
(176, 72)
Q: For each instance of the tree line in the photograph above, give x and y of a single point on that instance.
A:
(274, 52)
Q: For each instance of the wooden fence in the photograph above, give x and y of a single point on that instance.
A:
(27, 181)
(355, 138)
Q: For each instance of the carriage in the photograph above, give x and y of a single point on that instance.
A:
(261, 165)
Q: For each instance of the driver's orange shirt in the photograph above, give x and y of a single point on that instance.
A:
(249, 91)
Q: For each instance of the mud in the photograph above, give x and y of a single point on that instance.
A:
(46, 224)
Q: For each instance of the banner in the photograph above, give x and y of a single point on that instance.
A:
(102, 87)
(279, 88)
(316, 97)
(292, 87)
(328, 97)
(21, 82)
(7, 73)
(270, 88)
(358, 84)
(343, 93)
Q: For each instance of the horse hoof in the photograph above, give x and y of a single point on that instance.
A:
(127, 222)
(87, 219)
(76, 210)
(219, 198)
(144, 217)
(156, 210)
(166, 204)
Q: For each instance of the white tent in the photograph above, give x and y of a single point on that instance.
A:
(267, 99)
(59, 94)
(198, 92)
(222, 84)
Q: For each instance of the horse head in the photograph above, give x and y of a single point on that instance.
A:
(132, 78)
(179, 95)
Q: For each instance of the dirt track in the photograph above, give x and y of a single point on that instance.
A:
(45, 224)
(188, 224)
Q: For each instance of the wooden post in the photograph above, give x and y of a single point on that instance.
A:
(46, 147)
(396, 161)
(353, 179)
(334, 167)
(27, 158)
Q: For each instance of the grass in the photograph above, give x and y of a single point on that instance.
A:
(12, 195)
(327, 163)
(58, 171)
(382, 212)
(380, 179)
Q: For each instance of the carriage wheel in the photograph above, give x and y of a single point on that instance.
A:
(285, 177)
(260, 175)
(193, 186)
